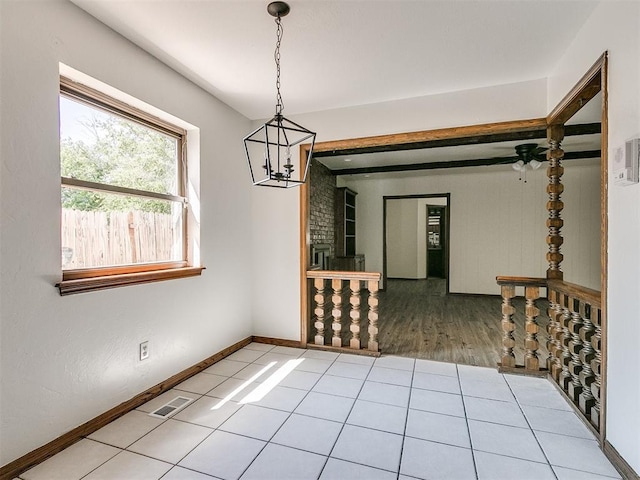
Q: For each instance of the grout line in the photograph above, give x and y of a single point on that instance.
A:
(466, 420)
(406, 418)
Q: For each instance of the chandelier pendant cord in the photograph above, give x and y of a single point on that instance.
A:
(276, 56)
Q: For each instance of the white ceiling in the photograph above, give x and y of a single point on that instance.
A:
(345, 53)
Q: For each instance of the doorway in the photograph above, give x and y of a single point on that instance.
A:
(411, 248)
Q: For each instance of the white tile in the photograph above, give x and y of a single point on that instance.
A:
(575, 453)
(430, 460)
(390, 375)
(315, 365)
(484, 374)
(491, 467)
(294, 352)
(296, 432)
(255, 422)
(253, 369)
(385, 393)
(336, 469)
(180, 473)
(495, 411)
(227, 387)
(354, 358)
(344, 387)
(126, 429)
(73, 462)
(378, 416)
(320, 354)
(245, 355)
(130, 466)
(349, 370)
(568, 474)
(270, 357)
(505, 440)
(226, 367)
(539, 397)
(329, 407)
(208, 412)
(260, 347)
(281, 398)
(171, 441)
(439, 383)
(484, 389)
(223, 455)
(283, 463)
(369, 447)
(436, 368)
(201, 383)
(436, 402)
(556, 421)
(528, 382)
(166, 397)
(391, 361)
(438, 428)
(301, 380)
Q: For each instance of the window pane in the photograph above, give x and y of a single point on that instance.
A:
(103, 229)
(98, 146)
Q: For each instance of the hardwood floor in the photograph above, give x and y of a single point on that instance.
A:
(417, 319)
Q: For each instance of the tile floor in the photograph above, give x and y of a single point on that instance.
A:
(340, 416)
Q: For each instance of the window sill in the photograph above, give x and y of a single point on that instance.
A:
(81, 285)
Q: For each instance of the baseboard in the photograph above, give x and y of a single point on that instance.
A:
(353, 351)
(277, 341)
(15, 468)
(620, 463)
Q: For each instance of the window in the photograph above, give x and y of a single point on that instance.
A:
(123, 193)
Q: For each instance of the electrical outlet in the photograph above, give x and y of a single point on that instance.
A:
(144, 350)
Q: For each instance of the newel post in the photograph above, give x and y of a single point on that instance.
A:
(555, 154)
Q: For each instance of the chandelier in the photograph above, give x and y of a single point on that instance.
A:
(271, 149)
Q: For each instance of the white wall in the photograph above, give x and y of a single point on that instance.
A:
(615, 26)
(65, 360)
(402, 238)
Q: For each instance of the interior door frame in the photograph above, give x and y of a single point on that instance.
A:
(384, 230)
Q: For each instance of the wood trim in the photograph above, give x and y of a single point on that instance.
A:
(519, 281)
(90, 284)
(604, 238)
(79, 273)
(521, 370)
(353, 351)
(280, 342)
(627, 472)
(335, 274)
(586, 88)
(17, 467)
(397, 140)
(477, 162)
(305, 240)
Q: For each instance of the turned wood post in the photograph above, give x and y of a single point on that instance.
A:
(318, 283)
(354, 300)
(596, 364)
(575, 346)
(564, 337)
(555, 154)
(531, 361)
(555, 313)
(336, 299)
(587, 354)
(508, 359)
(373, 315)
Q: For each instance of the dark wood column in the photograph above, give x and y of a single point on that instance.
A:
(555, 154)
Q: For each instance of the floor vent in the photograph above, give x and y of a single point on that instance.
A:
(171, 408)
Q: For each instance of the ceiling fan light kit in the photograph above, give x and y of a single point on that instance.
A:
(527, 155)
(270, 149)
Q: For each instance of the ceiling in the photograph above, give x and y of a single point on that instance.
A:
(347, 52)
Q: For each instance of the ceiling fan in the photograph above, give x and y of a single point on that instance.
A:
(528, 155)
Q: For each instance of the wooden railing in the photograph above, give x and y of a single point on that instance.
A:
(574, 344)
(574, 337)
(531, 287)
(335, 293)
